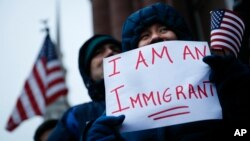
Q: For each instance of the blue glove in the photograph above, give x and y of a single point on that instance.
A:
(105, 128)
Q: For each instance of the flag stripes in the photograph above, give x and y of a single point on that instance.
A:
(45, 84)
(227, 30)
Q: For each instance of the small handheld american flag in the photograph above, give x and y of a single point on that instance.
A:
(227, 30)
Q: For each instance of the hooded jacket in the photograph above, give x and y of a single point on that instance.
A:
(199, 130)
(75, 119)
(156, 13)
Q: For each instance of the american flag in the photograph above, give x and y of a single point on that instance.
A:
(227, 30)
(45, 84)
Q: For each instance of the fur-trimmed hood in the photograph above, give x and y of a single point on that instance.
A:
(156, 13)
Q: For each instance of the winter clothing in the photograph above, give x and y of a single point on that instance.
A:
(44, 127)
(134, 25)
(95, 89)
(232, 79)
(75, 120)
(156, 13)
(104, 127)
(229, 75)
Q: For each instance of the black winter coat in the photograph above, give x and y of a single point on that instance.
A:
(74, 121)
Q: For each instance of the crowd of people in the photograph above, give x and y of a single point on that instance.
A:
(152, 24)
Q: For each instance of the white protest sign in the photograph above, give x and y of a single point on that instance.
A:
(160, 85)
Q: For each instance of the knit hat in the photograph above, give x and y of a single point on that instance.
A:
(89, 47)
(45, 126)
(85, 55)
(156, 13)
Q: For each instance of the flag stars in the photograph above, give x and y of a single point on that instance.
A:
(230, 36)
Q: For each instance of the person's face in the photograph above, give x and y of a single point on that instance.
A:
(96, 65)
(156, 33)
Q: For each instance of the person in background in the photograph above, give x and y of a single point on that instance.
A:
(91, 54)
(161, 22)
(43, 130)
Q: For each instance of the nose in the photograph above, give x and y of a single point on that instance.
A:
(108, 52)
(156, 38)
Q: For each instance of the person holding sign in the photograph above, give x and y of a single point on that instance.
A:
(160, 22)
(91, 54)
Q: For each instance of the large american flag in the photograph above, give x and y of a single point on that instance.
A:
(227, 30)
(44, 85)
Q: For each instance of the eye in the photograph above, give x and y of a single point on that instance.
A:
(98, 51)
(115, 48)
(144, 35)
(163, 29)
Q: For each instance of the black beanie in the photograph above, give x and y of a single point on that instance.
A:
(89, 47)
(45, 126)
(95, 89)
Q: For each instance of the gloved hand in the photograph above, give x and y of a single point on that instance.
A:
(221, 67)
(232, 79)
(105, 128)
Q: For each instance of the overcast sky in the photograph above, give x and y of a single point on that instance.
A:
(21, 39)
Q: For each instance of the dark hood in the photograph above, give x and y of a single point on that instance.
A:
(156, 13)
